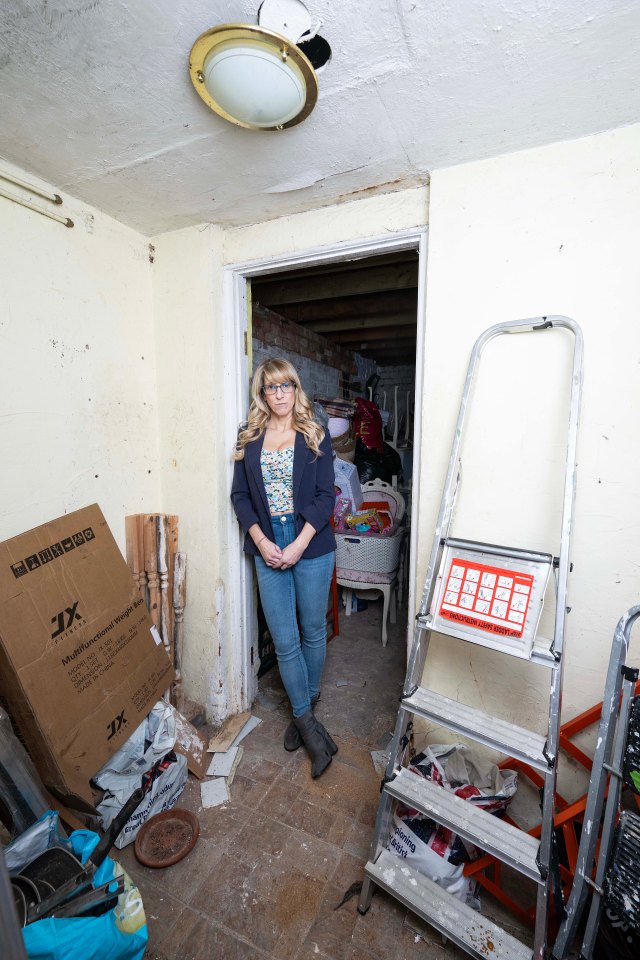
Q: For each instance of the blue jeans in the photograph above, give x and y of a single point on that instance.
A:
(304, 586)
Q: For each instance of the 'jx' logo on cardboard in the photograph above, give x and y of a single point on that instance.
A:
(65, 619)
(116, 724)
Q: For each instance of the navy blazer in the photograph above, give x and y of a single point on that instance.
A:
(313, 494)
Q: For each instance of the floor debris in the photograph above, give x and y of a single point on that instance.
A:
(214, 792)
(225, 764)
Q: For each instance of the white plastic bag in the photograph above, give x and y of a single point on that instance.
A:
(168, 779)
(150, 741)
(468, 775)
(140, 760)
(434, 850)
(426, 856)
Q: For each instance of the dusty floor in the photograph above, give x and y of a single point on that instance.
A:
(271, 866)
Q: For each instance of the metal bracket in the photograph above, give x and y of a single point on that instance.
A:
(543, 868)
(385, 780)
(549, 757)
(404, 740)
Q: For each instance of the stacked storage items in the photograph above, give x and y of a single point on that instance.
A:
(368, 538)
(340, 414)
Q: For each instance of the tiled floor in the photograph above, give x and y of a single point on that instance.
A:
(271, 866)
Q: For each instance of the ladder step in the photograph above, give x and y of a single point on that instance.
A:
(475, 934)
(511, 845)
(492, 549)
(493, 732)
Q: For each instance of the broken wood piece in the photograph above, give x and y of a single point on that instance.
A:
(151, 567)
(228, 732)
(163, 579)
(191, 743)
(250, 725)
(179, 603)
(173, 547)
(135, 551)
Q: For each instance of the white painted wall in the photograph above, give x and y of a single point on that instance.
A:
(77, 367)
(188, 310)
(552, 230)
(196, 392)
(549, 230)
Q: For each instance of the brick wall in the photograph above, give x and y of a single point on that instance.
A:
(318, 380)
(324, 369)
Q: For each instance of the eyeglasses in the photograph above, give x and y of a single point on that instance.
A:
(272, 388)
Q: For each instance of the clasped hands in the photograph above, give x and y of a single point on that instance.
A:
(279, 559)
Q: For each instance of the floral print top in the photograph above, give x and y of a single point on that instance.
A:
(277, 474)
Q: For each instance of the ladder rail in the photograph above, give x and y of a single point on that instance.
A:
(424, 626)
(561, 609)
(447, 503)
(610, 817)
(595, 797)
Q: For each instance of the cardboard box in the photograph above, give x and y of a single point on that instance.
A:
(79, 664)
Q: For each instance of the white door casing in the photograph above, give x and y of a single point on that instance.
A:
(241, 612)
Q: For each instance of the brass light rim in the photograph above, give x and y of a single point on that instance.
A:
(210, 39)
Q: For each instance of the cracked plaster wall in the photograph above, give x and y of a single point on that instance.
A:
(77, 364)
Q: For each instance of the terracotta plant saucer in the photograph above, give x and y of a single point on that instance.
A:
(166, 838)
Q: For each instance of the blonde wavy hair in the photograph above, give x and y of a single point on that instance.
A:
(278, 370)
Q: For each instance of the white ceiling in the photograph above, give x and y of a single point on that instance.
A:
(96, 98)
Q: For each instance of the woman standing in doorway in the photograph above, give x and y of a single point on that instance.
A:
(283, 496)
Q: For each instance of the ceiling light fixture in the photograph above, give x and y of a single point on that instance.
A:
(258, 78)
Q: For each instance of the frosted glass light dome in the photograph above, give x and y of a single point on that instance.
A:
(254, 85)
(253, 77)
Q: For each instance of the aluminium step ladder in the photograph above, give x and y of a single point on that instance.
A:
(489, 595)
(619, 689)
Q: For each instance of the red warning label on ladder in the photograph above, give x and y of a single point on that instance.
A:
(492, 599)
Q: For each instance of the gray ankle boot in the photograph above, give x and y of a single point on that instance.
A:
(328, 739)
(292, 739)
(314, 742)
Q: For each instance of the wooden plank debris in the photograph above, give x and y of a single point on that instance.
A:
(191, 743)
(228, 732)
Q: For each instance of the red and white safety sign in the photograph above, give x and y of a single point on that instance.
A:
(492, 599)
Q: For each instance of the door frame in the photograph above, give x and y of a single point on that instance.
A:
(236, 355)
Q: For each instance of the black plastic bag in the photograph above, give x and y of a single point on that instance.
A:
(392, 461)
(369, 464)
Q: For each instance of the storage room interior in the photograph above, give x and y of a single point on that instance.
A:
(465, 173)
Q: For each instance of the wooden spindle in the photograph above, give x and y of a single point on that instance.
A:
(163, 576)
(179, 603)
(172, 544)
(135, 553)
(151, 567)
